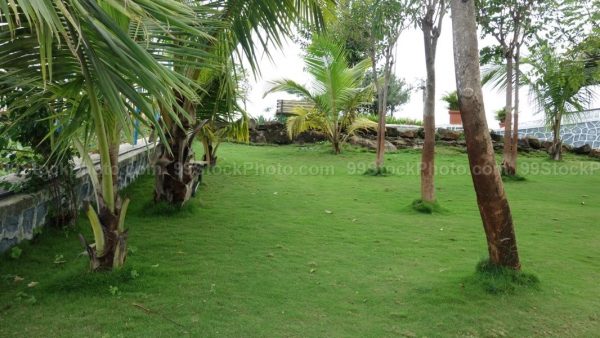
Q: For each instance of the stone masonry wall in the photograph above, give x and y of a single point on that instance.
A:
(575, 135)
(22, 214)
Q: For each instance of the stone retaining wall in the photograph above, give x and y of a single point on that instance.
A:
(575, 135)
(22, 215)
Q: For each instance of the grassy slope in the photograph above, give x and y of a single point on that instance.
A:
(258, 255)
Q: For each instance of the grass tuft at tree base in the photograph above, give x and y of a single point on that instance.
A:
(426, 207)
(383, 171)
(495, 279)
(513, 178)
(165, 209)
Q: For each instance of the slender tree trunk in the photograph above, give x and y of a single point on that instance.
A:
(428, 153)
(382, 111)
(515, 139)
(491, 198)
(507, 162)
(556, 150)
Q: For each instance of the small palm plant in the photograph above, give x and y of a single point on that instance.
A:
(560, 87)
(335, 91)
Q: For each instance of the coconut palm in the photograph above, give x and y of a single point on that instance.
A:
(335, 90)
(244, 27)
(98, 64)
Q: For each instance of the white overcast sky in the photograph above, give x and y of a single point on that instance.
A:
(410, 65)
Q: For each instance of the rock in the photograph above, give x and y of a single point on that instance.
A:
(392, 132)
(496, 137)
(448, 135)
(369, 144)
(523, 145)
(252, 124)
(389, 146)
(534, 142)
(583, 150)
(595, 153)
(367, 133)
(449, 143)
(400, 143)
(257, 136)
(409, 133)
(567, 148)
(310, 136)
(498, 146)
(421, 133)
(546, 145)
(356, 140)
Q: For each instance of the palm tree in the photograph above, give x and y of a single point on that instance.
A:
(560, 87)
(95, 63)
(242, 27)
(335, 91)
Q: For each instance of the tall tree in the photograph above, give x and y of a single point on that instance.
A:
(430, 20)
(387, 19)
(511, 23)
(491, 198)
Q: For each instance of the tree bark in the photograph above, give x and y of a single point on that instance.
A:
(382, 92)
(430, 38)
(515, 127)
(507, 162)
(177, 174)
(556, 149)
(491, 198)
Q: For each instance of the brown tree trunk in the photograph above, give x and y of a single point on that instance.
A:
(507, 161)
(515, 139)
(556, 149)
(382, 93)
(428, 154)
(491, 198)
(177, 173)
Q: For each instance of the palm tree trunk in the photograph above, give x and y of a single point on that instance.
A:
(177, 174)
(491, 198)
(508, 167)
(556, 149)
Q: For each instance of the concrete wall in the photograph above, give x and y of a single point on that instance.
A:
(21, 215)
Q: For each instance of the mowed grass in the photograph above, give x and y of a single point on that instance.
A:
(294, 241)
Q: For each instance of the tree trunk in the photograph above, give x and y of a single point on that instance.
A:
(115, 248)
(115, 237)
(491, 198)
(556, 149)
(515, 127)
(428, 153)
(508, 167)
(210, 156)
(336, 147)
(382, 93)
(177, 174)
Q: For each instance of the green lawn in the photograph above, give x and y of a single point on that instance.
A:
(266, 249)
